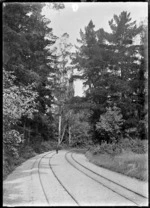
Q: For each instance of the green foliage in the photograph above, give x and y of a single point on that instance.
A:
(27, 152)
(38, 84)
(111, 123)
(11, 140)
(134, 145)
(27, 53)
(27, 65)
(124, 145)
(64, 89)
(44, 146)
(127, 163)
(55, 5)
(17, 101)
(107, 148)
(10, 162)
(113, 67)
(79, 129)
(49, 145)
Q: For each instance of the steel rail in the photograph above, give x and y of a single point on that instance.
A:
(108, 178)
(32, 175)
(98, 181)
(61, 182)
(40, 176)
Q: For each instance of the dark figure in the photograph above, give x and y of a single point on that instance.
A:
(57, 149)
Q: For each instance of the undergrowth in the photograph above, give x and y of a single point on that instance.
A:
(10, 162)
(129, 157)
(133, 145)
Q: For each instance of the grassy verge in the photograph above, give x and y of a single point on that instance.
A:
(127, 163)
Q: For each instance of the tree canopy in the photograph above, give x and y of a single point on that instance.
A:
(112, 67)
(38, 88)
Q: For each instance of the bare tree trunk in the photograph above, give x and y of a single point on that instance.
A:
(59, 130)
(63, 133)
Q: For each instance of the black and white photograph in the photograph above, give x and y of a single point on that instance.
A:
(75, 103)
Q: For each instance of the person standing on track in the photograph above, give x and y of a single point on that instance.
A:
(57, 149)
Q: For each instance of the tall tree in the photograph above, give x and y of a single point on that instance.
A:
(127, 64)
(92, 64)
(63, 85)
(110, 65)
(27, 42)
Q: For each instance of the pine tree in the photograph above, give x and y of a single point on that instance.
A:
(127, 64)
(91, 61)
(27, 42)
(111, 67)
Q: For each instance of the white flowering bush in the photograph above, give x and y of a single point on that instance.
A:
(17, 101)
(13, 137)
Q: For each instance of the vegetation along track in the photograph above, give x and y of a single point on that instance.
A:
(50, 166)
(90, 173)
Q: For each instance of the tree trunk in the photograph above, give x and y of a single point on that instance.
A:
(36, 128)
(59, 129)
(63, 134)
(29, 136)
(69, 134)
(24, 127)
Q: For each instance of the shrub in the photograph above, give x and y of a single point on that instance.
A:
(44, 146)
(115, 148)
(47, 146)
(142, 129)
(19, 161)
(125, 144)
(27, 152)
(137, 146)
(109, 148)
(134, 145)
(77, 143)
(128, 163)
(145, 144)
(111, 122)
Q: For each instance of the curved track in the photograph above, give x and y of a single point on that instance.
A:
(41, 178)
(107, 178)
(100, 176)
(53, 179)
(61, 182)
(50, 166)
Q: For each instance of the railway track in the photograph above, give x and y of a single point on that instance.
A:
(32, 177)
(40, 178)
(62, 183)
(108, 179)
(124, 192)
(41, 182)
(129, 194)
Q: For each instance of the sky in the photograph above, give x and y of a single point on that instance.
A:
(76, 16)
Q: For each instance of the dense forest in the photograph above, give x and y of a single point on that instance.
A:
(40, 110)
